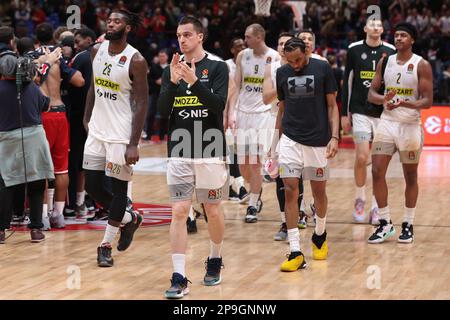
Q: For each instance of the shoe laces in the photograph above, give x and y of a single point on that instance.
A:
(380, 227)
(252, 210)
(213, 265)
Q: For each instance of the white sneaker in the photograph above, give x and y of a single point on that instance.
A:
(374, 218)
(384, 231)
(359, 214)
(46, 223)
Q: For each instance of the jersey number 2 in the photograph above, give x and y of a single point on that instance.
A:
(399, 75)
(107, 70)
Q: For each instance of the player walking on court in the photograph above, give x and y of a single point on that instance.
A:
(362, 57)
(194, 92)
(114, 127)
(408, 88)
(308, 122)
(252, 113)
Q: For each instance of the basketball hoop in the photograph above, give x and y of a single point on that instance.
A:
(262, 7)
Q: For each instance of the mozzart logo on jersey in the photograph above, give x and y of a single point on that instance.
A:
(253, 84)
(187, 101)
(367, 75)
(105, 83)
(401, 91)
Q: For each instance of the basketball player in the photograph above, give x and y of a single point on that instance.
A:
(241, 194)
(252, 113)
(408, 83)
(309, 137)
(270, 97)
(114, 128)
(194, 94)
(362, 57)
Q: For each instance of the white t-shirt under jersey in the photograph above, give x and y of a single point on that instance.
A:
(250, 95)
(405, 80)
(111, 116)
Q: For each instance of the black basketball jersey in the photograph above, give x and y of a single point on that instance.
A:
(360, 69)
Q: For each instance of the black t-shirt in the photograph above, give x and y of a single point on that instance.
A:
(81, 62)
(33, 103)
(305, 118)
(196, 113)
(360, 70)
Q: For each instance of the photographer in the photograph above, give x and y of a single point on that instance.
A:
(23, 147)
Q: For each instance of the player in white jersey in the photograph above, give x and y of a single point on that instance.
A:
(254, 118)
(408, 88)
(114, 126)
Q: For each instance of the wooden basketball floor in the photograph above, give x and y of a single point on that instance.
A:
(354, 269)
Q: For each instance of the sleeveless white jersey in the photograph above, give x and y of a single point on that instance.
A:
(231, 67)
(111, 116)
(404, 79)
(250, 95)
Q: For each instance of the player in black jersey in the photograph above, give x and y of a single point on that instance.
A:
(194, 92)
(362, 58)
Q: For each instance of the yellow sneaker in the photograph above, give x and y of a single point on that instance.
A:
(320, 246)
(294, 261)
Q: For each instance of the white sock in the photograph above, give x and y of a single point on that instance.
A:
(178, 262)
(50, 195)
(253, 199)
(361, 193)
(239, 182)
(283, 216)
(302, 205)
(374, 203)
(59, 208)
(409, 215)
(130, 190)
(191, 213)
(294, 239)
(80, 198)
(215, 248)
(384, 214)
(110, 234)
(126, 217)
(44, 210)
(320, 225)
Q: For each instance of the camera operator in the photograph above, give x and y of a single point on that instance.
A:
(24, 149)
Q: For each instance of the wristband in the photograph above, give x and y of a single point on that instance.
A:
(334, 137)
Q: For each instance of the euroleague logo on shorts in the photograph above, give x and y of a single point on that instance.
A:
(433, 125)
(215, 194)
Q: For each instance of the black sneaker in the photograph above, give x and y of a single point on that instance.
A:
(178, 288)
(128, 230)
(100, 215)
(251, 217)
(407, 235)
(233, 196)
(213, 268)
(243, 195)
(191, 225)
(104, 258)
(69, 213)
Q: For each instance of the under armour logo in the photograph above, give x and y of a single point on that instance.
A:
(301, 86)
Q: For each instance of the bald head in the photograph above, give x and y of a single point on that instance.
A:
(257, 30)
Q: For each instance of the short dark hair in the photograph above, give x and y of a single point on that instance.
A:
(25, 45)
(198, 26)
(234, 40)
(86, 33)
(407, 27)
(293, 44)
(286, 34)
(6, 34)
(44, 32)
(132, 19)
(306, 31)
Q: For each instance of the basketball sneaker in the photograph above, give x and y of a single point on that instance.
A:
(251, 217)
(128, 230)
(384, 231)
(191, 225)
(69, 213)
(281, 235)
(302, 220)
(358, 212)
(243, 195)
(213, 267)
(295, 260)
(46, 223)
(57, 221)
(81, 213)
(178, 288)
(37, 236)
(104, 258)
(407, 235)
(374, 218)
(233, 196)
(319, 246)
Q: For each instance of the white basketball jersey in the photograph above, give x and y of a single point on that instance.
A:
(111, 116)
(231, 67)
(404, 79)
(250, 95)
